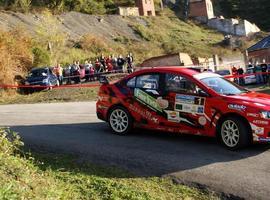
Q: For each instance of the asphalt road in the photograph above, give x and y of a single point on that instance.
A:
(74, 128)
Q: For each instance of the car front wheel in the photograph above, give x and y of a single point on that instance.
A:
(120, 120)
(234, 133)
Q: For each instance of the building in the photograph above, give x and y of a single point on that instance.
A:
(146, 7)
(201, 9)
(260, 51)
(128, 11)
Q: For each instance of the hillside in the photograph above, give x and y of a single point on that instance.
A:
(78, 36)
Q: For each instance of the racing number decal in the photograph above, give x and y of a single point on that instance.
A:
(189, 104)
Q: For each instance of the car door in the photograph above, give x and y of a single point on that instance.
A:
(145, 104)
(187, 104)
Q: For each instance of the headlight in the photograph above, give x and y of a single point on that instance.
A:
(265, 114)
(45, 81)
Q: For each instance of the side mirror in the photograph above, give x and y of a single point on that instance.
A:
(203, 93)
(103, 80)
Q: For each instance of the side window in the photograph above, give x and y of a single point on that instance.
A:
(148, 81)
(179, 84)
(131, 82)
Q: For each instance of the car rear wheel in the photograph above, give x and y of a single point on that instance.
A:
(234, 133)
(120, 120)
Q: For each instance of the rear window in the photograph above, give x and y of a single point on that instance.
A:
(148, 81)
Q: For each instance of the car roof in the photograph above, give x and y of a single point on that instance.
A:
(204, 75)
(39, 68)
(166, 69)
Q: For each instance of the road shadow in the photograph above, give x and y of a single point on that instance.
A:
(144, 153)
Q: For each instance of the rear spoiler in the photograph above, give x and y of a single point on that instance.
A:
(103, 80)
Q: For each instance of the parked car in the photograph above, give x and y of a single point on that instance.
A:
(250, 78)
(184, 101)
(225, 73)
(42, 77)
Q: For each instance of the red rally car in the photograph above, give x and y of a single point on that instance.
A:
(180, 100)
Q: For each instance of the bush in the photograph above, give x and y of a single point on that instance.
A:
(41, 57)
(94, 44)
(15, 55)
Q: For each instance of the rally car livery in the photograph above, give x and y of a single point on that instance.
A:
(180, 100)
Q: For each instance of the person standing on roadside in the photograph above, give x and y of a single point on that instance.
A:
(58, 71)
(121, 62)
(258, 71)
(129, 63)
(234, 73)
(264, 72)
(240, 72)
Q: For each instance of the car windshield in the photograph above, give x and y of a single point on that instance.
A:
(223, 86)
(38, 73)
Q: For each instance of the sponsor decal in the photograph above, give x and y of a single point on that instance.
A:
(103, 107)
(163, 103)
(187, 99)
(146, 114)
(201, 110)
(260, 122)
(147, 99)
(237, 107)
(189, 104)
(202, 121)
(252, 115)
(264, 139)
(173, 116)
(188, 108)
(257, 130)
(255, 137)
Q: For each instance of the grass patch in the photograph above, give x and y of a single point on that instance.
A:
(50, 176)
(55, 95)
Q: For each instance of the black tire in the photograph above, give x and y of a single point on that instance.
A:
(120, 120)
(234, 133)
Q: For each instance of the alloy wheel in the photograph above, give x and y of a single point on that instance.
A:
(230, 133)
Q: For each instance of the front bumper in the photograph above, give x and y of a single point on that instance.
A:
(260, 134)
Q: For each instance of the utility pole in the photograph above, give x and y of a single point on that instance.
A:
(186, 9)
(161, 5)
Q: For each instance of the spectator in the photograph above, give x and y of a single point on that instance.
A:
(114, 63)
(264, 70)
(258, 71)
(58, 71)
(240, 72)
(92, 72)
(97, 66)
(121, 62)
(235, 73)
(102, 61)
(87, 67)
(129, 63)
(109, 64)
(75, 72)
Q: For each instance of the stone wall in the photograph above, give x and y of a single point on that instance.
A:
(128, 11)
(233, 26)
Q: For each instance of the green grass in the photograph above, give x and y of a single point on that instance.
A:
(51, 176)
(55, 95)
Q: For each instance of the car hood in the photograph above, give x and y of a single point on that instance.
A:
(251, 98)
